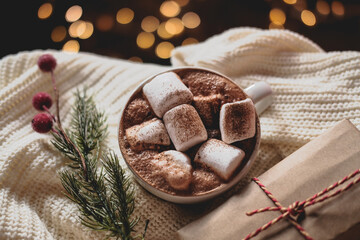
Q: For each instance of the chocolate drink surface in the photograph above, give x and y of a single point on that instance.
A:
(159, 133)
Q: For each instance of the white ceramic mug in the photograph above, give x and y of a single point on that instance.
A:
(260, 93)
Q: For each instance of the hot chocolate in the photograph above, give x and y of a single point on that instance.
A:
(188, 131)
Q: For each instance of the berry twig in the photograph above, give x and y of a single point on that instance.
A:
(56, 92)
(42, 102)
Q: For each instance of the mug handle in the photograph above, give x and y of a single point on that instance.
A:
(261, 94)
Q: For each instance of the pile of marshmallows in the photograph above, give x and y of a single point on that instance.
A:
(170, 100)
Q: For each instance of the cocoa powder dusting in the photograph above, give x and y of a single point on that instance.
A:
(137, 111)
(202, 84)
(204, 180)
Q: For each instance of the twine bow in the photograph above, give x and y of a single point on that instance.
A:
(296, 211)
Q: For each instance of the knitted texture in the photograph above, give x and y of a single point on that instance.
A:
(313, 90)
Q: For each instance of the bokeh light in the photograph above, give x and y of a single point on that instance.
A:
(170, 8)
(300, 5)
(145, 40)
(277, 16)
(124, 15)
(275, 26)
(77, 28)
(105, 22)
(89, 29)
(150, 24)
(189, 41)
(182, 3)
(136, 59)
(163, 50)
(45, 11)
(74, 13)
(71, 46)
(337, 8)
(58, 34)
(162, 32)
(191, 20)
(174, 26)
(308, 18)
(290, 1)
(323, 7)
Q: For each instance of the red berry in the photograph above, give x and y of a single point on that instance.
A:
(42, 123)
(46, 63)
(40, 100)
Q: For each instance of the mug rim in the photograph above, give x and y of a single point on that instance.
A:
(190, 199)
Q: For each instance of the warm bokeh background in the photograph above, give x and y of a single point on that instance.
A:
(147, 30)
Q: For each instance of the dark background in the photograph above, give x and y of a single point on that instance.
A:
(21, 29)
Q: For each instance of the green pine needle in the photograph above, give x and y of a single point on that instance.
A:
(103, 193)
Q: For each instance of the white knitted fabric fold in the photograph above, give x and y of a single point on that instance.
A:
(313, 90)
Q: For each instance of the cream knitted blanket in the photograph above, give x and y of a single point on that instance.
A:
(313, 90)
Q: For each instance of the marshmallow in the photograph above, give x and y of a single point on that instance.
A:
(166, 91)
(175, 167)
(208, 108)
(220, 157)
(237, 121)
(185, 127)
(147, 135)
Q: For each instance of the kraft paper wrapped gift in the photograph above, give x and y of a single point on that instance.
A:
(314, 167)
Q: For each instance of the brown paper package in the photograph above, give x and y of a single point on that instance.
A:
(320, 163)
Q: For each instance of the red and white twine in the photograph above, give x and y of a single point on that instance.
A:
(297, 209)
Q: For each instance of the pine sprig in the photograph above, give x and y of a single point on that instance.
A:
(88, 124)
(121, 194)
(95, 182)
